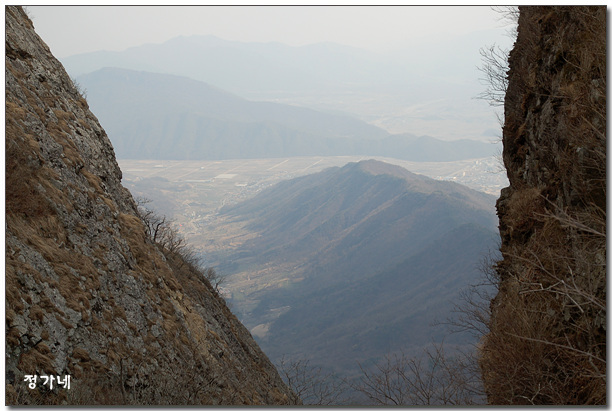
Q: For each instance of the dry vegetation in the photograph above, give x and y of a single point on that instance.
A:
(162, 231)
(313, 385)
(547, 339)
(436, 378)
(546, 335)
(96, 383)
(88, 293)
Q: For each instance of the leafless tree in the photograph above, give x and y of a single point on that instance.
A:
(162, 231)
(310, 383)
(494, 66)
(494, 69)
(215, 279)
(431, 379)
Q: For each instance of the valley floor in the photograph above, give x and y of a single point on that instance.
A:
(193, 192)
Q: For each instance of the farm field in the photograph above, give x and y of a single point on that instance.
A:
(193, 192)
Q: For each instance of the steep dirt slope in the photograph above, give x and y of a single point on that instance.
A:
(87, 294)
(547, 340)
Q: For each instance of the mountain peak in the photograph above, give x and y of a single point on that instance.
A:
(376, 167)
(342, 253)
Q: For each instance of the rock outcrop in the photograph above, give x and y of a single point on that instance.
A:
(88, 294)
(547, 339)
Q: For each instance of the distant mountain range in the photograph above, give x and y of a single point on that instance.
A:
(161, 116)
(239, 66)
(355, 262)
(275, 69)
(426, 88)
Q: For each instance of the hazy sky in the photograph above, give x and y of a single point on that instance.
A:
(71, 30)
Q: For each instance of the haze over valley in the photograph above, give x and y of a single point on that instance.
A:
(285, 233)
(285, 200)
(353, 255)
(344, 196)
(168, 117)
(426, 88)
(305, 205)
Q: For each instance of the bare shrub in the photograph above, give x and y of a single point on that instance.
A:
(471, 313)
(310, 383)
(79, 88)
(547, 339)
(435, 378)
(494, 62)
(494, 69)
(162, 231)
(546, 343)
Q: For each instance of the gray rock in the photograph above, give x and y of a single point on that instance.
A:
(83, 279)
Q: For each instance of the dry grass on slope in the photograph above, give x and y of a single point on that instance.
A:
(547, 339)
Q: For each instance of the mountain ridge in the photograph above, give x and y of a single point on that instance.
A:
(389, 89)
(152, 115)
(334, 237)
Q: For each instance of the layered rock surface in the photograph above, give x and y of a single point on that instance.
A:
(87, 293)
(547, 340)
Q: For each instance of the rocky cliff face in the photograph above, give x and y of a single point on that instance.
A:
(87, 293)
(547, 340)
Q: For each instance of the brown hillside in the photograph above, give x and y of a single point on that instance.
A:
(547, 340)
(87, 293)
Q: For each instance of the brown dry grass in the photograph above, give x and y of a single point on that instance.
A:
(547, 339)
(175, 368)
